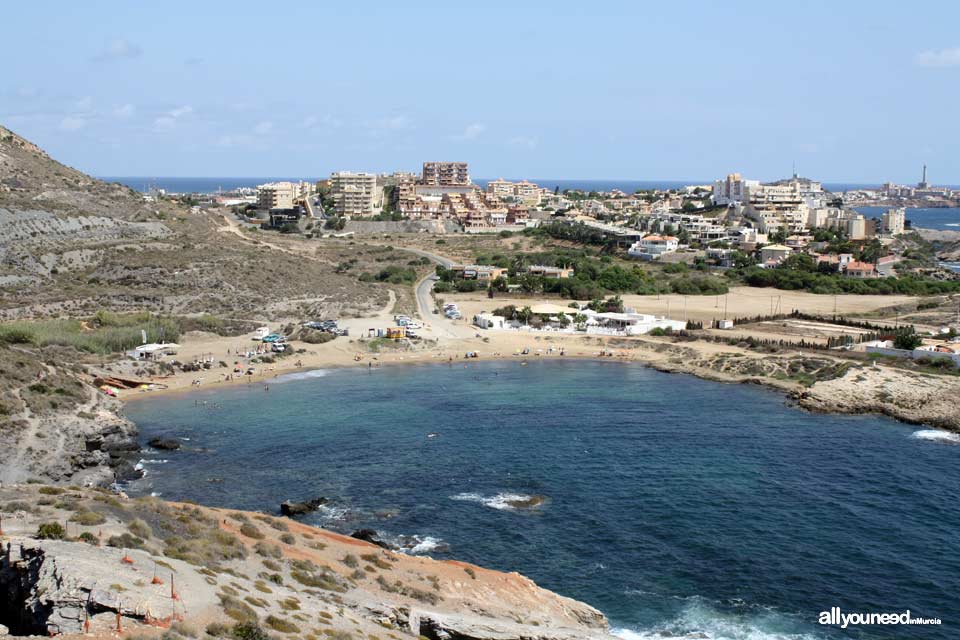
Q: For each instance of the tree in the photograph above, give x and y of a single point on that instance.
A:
(580, 321)
(524, 315)
(907, 340)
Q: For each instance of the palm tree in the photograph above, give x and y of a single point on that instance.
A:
(524, 315)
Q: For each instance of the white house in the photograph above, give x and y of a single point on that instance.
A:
(652, 247)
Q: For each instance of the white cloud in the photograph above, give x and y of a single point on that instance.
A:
(392, 123)
(939, 58)
(809, 147)
(524, 142)
(263, 128)
(124, 111)
(169, 120)
(234, 140)
(72, 123)
(471, 132)
(323, 122)
(84, 103)
(119, 49)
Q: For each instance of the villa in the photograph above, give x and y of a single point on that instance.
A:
(653, 247)
(477, 271)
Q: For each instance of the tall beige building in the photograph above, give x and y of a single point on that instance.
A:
(445, 173)
(355, 194)
(277, 195)
(894, 221)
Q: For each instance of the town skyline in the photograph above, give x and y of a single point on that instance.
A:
(605, 92)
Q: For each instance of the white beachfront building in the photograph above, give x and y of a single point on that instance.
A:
(600, 323)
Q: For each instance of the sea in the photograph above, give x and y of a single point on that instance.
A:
(942, 218)
(214, 184)
(677, 506)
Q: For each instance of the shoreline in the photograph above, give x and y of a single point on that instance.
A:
(861, 389)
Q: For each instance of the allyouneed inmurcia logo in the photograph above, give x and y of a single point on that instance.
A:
(843, 620)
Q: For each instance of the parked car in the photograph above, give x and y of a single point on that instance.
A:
(274, 337)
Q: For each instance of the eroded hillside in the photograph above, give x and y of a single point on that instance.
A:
(71, 244)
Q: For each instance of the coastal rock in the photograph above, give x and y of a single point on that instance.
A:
(525, 502)
(165, 444)
(371, 536)
(290, 508)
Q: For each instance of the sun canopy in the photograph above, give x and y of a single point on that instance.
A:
(551, 309)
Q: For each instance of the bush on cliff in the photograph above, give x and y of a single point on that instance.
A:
(51, 531)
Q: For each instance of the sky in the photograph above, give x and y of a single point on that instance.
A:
(847, 91)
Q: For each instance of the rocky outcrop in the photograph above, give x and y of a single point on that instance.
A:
(164, 444)
(290, 508)
(211, 570)
(905, 395)
(371, 536)
(59, 428)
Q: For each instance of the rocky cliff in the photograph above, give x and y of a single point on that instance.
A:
(75, 559)
(57, 427)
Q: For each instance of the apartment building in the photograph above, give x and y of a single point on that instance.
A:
(894, 221)
(777, 208)
(732, 190)
(445, 173)
(355, 194)
(524, 191)
(851, 223)
(281, 195)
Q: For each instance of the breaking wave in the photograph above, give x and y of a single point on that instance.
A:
(417, 544)
(502, 501)
(699, 620)
(936, 435)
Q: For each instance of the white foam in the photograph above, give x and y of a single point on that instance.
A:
(425, 544)
(698, 620)
(328, 512)
(301, 375)
(144, 461)
(951, 224)
(936, 435)
(501, 501)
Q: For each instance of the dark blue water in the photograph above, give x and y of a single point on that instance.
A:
(213, 184)
(944, 218)
(673, 504)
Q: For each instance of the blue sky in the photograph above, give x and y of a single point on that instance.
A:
(850, 91)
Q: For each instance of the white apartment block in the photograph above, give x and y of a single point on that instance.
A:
(355, 194)
(732, 190)
(524, 191)
(777, 208)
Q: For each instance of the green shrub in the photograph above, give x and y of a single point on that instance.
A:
(88, 518)
(51, 531)
(87, 537)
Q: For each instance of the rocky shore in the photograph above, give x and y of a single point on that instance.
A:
(55, 426)
(84, 562)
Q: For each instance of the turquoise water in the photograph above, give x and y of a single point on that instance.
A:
(673, 504)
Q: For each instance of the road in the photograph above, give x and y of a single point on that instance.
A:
(425, 286)
(436, 323)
